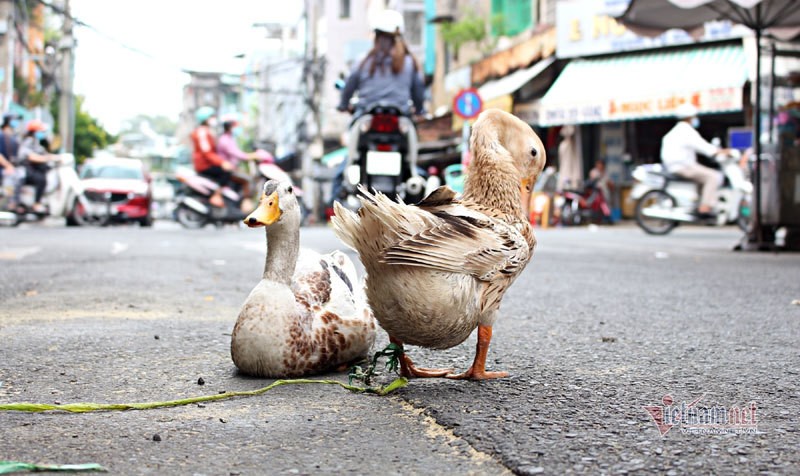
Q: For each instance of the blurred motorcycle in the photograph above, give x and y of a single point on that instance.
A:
(265, 167)
(585, 206)
(665, 200)
(63, 197)
(384, 163)
(193, 208)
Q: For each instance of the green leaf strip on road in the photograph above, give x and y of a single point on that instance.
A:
(93, 407)
(7, 467)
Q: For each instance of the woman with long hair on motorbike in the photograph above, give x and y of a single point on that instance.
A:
(389, 74)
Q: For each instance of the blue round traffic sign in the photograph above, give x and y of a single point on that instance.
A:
(468, 103)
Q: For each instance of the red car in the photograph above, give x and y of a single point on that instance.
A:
(117, 190)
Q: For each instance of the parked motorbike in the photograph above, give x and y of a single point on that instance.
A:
(665, 200)
(193, 208)
(384, 163)
(585, 206)
(63, 197)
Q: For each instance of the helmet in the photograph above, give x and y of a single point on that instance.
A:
(11, 120)
(388, 21)
(204, 113)
(685, 111)
(231, 118)
(35, 125)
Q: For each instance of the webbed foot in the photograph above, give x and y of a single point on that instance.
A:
(409, 370)
(472, 374)
(477, 371)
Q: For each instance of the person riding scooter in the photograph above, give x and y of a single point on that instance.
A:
(35, 158)
(229, 150)
(9, 156)
(205, 158)
(679, 151)
(388, 74)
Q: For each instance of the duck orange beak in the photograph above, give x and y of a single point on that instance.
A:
(267, 212)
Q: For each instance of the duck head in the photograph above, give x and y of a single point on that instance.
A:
(277, 204)
(509, 138)
(503, 145)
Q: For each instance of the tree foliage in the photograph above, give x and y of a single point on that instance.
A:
(89, 133)
(160, 124)
(471, 28)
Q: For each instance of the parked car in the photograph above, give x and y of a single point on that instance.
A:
(118, 189)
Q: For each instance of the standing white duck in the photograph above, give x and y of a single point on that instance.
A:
(439, 269)
(308, 313)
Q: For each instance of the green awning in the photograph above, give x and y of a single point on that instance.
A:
(335, 155)
(646, 85)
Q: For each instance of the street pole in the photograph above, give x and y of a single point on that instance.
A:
(311, 76)
(6, 53)
(66, 103)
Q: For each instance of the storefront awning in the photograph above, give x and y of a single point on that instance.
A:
(509, 84)
(646, 85)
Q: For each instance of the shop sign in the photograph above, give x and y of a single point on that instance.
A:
(607, 110)
(587, 27)
(574, 114)
(528, 112)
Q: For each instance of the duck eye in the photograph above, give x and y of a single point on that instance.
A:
(290, 189)
(534, 152)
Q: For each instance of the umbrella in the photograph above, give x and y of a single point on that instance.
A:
(779, 18)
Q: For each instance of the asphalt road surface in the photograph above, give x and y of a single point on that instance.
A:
(603, 323)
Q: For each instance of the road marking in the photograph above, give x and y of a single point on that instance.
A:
(12, 254)
(117, 247)
(434, 430)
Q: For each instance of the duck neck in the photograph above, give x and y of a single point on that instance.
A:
(494, 183)
(283, 246)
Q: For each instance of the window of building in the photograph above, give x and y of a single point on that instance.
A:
(414, 27)
(344, 8)
(511, 17)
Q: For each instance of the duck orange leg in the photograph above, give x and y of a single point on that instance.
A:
(409, 370)
(477, 370)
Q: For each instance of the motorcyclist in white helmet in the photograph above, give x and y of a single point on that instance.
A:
(389, 74)
(679, 149)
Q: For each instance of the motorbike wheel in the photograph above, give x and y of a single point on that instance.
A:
(745, 215)
(655, 226)
(570, 213)
(80, 217)
(189, 218)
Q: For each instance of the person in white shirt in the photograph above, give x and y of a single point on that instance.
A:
(679, 149)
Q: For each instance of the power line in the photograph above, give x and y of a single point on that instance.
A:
(57, 9)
